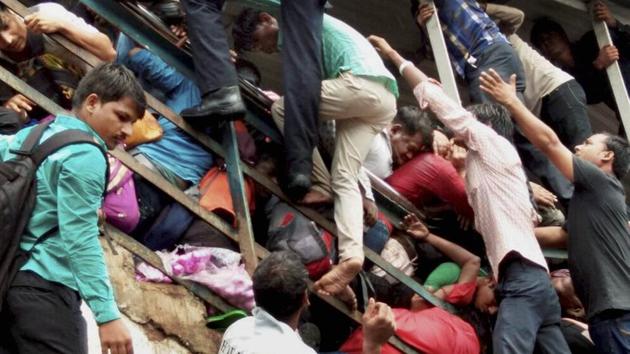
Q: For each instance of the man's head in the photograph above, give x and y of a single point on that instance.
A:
(552, 41)
(256, 31)
(13, 31)
(485, 296)
(569, 302)
(609, 152)
(496, 116)
(280, 285)
(410, 133)
(110, 100)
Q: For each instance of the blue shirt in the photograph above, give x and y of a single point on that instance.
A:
(176, 150)
(70, 185)
(467, 30)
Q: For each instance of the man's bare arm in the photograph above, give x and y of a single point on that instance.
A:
(537, 132)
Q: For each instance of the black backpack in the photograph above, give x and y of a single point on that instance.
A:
(18, 189)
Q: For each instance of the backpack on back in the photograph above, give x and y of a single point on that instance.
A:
(18, 189)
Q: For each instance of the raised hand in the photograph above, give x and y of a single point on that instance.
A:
(414, 227)
(501, 91)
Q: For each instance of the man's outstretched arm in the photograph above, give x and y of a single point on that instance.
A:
(537, 132)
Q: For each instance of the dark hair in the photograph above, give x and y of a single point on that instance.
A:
(621, 149)
(111, 82)
(3, 9)
(496, 116)
(244, 28)
(545, 25)
(414, 120)
(280, 283)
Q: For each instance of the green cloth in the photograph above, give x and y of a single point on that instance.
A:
(70, 186)
(343, 49)
(446, 273)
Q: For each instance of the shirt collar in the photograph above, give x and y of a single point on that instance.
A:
(72, 122)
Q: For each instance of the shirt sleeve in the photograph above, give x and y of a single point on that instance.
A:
(586, 175)
(154, 71)
(364, 182)
(79, 193)
(461, 122)
(510, 18)
(59, 12)
(462, 294)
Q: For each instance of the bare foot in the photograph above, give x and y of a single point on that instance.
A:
(314, 197)
(337, 279)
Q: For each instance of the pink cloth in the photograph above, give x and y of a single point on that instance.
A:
(218, 269)
(495, 181)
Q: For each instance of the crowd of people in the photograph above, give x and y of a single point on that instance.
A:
(498, 180)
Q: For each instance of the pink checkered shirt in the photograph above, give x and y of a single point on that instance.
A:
(495, 181)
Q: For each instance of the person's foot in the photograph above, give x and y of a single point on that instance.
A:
(224, 103)
(316, 198)
(298, 184)
(336, 281)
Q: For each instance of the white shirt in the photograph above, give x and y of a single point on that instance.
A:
(379, 159)
(262, 334)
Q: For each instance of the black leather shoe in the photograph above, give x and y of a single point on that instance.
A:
(298, 184)
(224, 103)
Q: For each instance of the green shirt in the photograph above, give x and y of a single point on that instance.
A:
(343, 49)
(70, 185)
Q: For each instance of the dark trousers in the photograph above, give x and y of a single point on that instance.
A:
(564, 110)
(210, 46)
(502, 58)
(611, 334)
(41, 317)
(529, 311)
(301, 62)
(10, 122)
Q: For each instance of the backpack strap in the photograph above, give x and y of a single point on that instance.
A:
(63, 139)
(32, 139)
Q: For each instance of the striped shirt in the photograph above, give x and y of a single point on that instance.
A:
(467, 30)
(495, 181)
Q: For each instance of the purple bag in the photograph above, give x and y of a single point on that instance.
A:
(121, 205)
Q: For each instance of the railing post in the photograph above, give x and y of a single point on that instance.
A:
(440, 54)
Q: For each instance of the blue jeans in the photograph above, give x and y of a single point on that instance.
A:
(611, 335)
(529, 311)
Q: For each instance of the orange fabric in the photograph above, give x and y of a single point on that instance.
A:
(145, 130)
(216, 197)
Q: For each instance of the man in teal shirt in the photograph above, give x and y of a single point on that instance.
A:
(359, 94)
(42, 308)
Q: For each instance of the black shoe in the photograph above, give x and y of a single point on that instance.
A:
(298, 184)
(224, 103)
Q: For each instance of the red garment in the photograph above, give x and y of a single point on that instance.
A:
(427, 177)
(462, 294)
(432, 331)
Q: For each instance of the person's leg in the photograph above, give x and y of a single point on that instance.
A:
(45, 316)
(217, 78)
(564, 109)
(361, 109)
(301, 66)
(550, 339)
(503, 59)
(611, 336)
(526, 305)
(320, 176)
